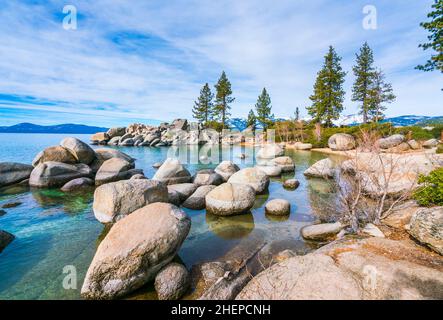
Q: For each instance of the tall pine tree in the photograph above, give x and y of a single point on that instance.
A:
(251, 122)
(297, 114)
(203, 108)
(263, 108)
(364, 73)
(435, 38)
(327, 100)
(379, 93)
(223, 98)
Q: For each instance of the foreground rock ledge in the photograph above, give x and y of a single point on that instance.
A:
(339, 271)
(134, 250)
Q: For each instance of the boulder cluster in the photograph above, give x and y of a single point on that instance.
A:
(179, 132)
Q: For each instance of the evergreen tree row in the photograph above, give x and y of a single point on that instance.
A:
(216, 113)
(369, 89)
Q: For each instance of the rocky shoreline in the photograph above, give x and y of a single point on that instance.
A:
(148, 226)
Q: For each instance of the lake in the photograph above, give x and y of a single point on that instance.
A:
(54, 230)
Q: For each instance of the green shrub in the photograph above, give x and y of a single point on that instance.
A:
(440, 148)
(416, 133)
(430, 193)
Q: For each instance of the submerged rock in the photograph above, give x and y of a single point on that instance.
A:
(253, 177)
(80, 150)
(12, 173)
(341, 142)
(278, 207)
(321, 169)
(172, 172)
(78, 184)
(172, 282)
(270, 151)
(56, 153)
(134, 250)
(197, 201)
(321, 232)
(56, 174)
(226, 169)
(427, 227)
(285, 163)
(230, 199)
(5, 239)
(291, 184)
(113, 201)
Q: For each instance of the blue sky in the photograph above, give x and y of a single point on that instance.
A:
(135, 61)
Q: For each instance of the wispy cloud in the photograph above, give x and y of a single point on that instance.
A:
(141, 60)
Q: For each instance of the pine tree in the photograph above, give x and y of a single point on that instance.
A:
(435, 28)
(364, 73)
(251, 122)
(297, 114)
(379, 93)
(223, 99)
(327, 100)
(202, 110)
(263, 108)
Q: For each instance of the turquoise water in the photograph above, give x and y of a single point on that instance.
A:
(54, 229)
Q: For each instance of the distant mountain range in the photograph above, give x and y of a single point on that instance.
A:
(60, 128)
(400, 121)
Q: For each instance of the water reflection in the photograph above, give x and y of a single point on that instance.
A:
(234, 227)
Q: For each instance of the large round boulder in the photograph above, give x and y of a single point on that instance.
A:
(230, 199)
(197, 201)
(391, 142)
(80, 150)
(172, 282)
(115, 200)
(226, 169)
(104, 154)
(172, 172)
(135, 250)
(12, 173)
(321, 169)
(285, 163)
(56, 174)
(341, 142)
(55, 153)
(207, 177)
(291, 184)
(115, 169)
(253, 177)
(5, 239)
(270, 151)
